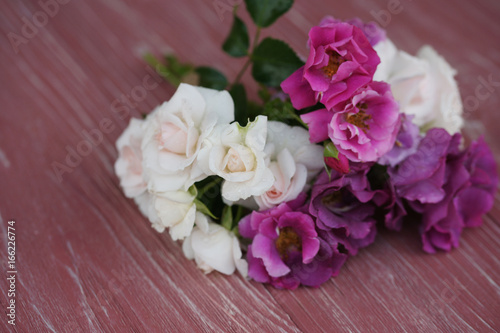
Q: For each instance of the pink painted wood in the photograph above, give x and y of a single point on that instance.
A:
(88, 261)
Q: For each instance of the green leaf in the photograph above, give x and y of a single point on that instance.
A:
(278, 110)
(202, 208)
(378, 177)
(282, 111)
(264, 94)
(236, 232)
(253, 110)
(331, 151)
(273, 62)
(162, 70)
(227, 218)
(238, 42)
(265, 12)
(239, 214)
(178, 68)
(207, 185)
(239, 96)
(209, 193)
(211, 78)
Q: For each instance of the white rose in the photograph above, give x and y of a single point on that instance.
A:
(236, 154)
(174, 134)
(146, 205)
(176, 211)
(128, 166)
(294, 161)
(423, 85)
(214, 248)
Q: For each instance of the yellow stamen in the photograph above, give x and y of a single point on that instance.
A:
(334, 63)
(288, 240)
(359, 119)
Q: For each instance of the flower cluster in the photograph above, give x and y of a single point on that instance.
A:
(285, 192)
(192, 137)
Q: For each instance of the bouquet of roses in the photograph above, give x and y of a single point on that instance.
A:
(354, 138)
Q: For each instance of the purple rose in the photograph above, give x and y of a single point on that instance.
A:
(395, 211)
(372, 30)
(452, 189)
(286, 249)
(429, 180)
(341, 60)
(477, 199)
(441, 222)
(406, 143)
(470, 186)
(366, 127)
(421, 176)
(345, 208)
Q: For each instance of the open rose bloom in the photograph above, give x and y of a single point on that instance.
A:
(357, 138)
(341, 60)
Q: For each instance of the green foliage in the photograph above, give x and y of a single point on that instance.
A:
(177, 68)
(378, 177)
(253, 110)
(331, 151)
(172, 70)
(238, 42)
(273, 62)
(209, 195)
(227, 218)
(211, 78)
(239, 96)
(231, 216)
(202, 208)
(266, 12)
(279, 110)
(162, 69)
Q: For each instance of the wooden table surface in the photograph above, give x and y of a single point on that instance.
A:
(87, 260)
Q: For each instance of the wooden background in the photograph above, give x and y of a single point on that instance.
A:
(88, 261)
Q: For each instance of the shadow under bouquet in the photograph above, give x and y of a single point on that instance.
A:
(350, 139)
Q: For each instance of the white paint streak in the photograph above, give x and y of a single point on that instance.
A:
(4, 160)
(48, 324)
(88, 312)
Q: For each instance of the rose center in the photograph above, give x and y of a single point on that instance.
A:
(334, 62)
(234, 161)
(288, 240)
(274, 193)
(173, 139)
(332, 199)
(340, 201)
(360, 119)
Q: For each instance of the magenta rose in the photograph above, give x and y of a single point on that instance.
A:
(366, 127)
(341, 60)
(286, 250)
(372, 30)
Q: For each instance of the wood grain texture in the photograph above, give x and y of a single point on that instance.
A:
(89, 262)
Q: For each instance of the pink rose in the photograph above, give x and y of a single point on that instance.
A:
(341, 60)
(366, 127)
